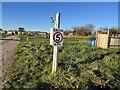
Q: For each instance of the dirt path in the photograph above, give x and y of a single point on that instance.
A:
(7, 51)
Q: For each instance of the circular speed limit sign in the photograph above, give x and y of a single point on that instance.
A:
(57, 37)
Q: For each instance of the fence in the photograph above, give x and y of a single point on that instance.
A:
(114, 41)
(107, 41)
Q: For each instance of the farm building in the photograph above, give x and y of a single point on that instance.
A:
(42, 34)
(2, 31)
(30, 33)
(12, 32)
(70, 34)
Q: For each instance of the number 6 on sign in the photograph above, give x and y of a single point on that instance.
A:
(56, 37)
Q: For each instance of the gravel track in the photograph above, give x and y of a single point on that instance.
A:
(7, 51)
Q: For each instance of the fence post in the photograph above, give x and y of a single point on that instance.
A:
(97, 38)
(27, 38)
(107, 39)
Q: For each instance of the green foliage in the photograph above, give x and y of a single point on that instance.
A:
(79, 66)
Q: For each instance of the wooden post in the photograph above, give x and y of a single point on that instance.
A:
(27, 38)
(97, 38)
(107, 41)
(55, 52)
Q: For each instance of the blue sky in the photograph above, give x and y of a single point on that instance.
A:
(60, 0)
(0, 14)
(36, 16)
(119, 15)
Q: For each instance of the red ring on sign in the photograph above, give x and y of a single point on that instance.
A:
(54, 37)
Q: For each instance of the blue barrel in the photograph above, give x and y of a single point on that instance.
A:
(92, 43)
(47, 36)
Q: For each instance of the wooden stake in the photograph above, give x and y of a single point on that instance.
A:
(107, 43)
(27, 38)
(97, 38)
(55, 52)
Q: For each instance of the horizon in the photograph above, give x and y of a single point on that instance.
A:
(100, 14)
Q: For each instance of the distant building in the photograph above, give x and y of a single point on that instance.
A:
(70, 34)
(30, 33)
(42, 34)
(12, 32)
(3, 31)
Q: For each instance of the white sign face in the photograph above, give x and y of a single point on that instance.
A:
(56, 37)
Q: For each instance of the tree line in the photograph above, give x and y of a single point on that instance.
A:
(88, 30)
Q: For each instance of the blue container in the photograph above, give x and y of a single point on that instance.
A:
(92, 43)
(47, 36)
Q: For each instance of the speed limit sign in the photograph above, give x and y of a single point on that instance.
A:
(56, 37)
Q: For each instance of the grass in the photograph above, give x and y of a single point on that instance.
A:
(79, 66)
